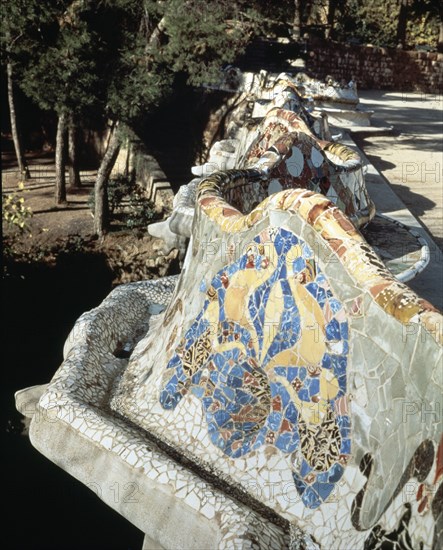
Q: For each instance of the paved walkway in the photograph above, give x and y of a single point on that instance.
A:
(410, 159)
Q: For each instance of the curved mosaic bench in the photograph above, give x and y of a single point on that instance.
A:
(317, 164)
(289, 155)
(296, 377)
(284, 382)
(286, 147)
(72, 424)
(321, 165)
(403, 250)
(326, 167)
(329, 92)
(293, 366)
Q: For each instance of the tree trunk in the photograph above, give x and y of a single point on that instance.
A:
(296, 23)
(21, 162)
(440, 35)
(74, 172)
(101, 213)
(331, 18)
(402, 22)
(60, 161)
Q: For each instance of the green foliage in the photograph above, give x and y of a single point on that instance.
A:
(121, 58)
(201, 36)
(56, 54)
(368, 22)
(128, 204)
(170, 41)
(15, 213)
(15, 218)
(376, 22)
(141, 211)
(423, 22)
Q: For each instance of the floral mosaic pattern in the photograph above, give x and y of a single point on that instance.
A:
(267, 357)
(304, 161)
(311, 163)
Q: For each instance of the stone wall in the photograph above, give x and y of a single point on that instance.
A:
(133, 158)
(377, 68)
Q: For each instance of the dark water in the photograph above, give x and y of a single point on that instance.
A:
(46, 508)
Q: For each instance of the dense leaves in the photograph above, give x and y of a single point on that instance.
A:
(119, 60)
(377, 22)
(120, 56)
(14, 210)
(53, 54)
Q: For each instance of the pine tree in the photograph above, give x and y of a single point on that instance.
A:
(57, 62)
(10, 42)
(121, 59)
(159, 44)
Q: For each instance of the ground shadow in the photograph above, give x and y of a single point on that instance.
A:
(47, 508)
(71, 205)
(380, 162)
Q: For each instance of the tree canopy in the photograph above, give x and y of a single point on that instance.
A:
(377, 22)
(54, 55)
(360, 21)
(117, 60)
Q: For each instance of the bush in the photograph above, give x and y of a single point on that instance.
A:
(15, 213)
(127, 203)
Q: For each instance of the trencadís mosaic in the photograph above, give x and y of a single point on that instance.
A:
(267, 357)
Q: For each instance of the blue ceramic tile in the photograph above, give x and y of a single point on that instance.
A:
(310, 498)
(333, 330)
(345, 448)
(298, 265)
(287, 442)
(291, 413)
(274, 420)
(335, 305)
(231, 393)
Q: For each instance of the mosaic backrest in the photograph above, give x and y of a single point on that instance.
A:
(308, 163)
(342, 94)
(292, 366)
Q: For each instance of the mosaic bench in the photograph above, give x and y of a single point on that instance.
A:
(294, 366)
(286, 132)
(297, 152)
(287, 366)
(283, 392)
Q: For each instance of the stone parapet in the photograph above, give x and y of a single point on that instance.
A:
(378, 68)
